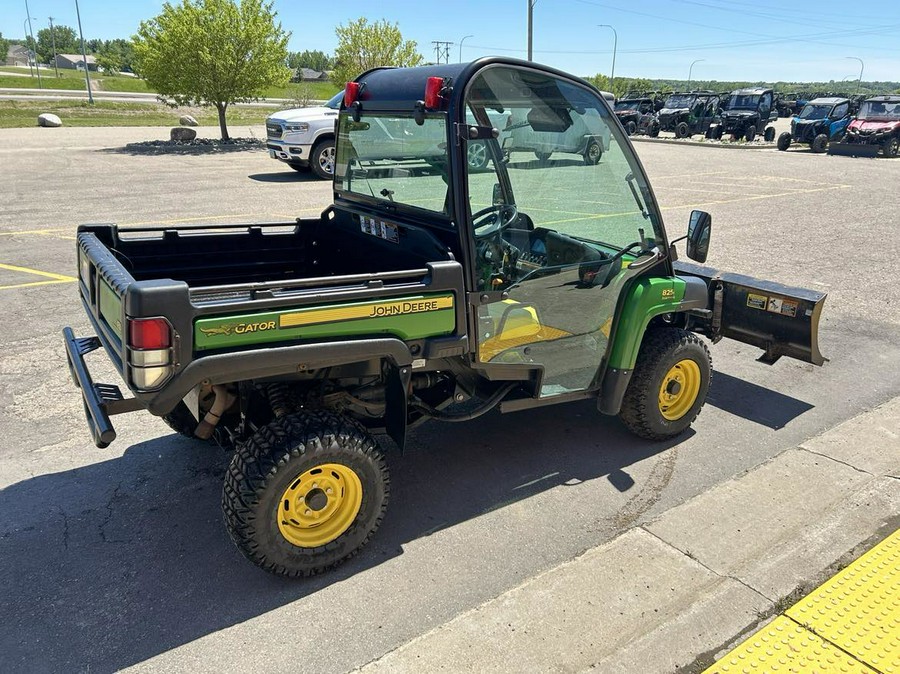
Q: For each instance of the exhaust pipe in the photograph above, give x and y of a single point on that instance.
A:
(223, 400)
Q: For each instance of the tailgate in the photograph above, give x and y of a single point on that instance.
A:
(779, 319)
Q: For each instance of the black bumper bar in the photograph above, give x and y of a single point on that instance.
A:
(100, 400)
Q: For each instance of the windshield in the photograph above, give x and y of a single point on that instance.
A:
(335, 102)
(679, 101)
(879, 110)
(627, 105)
(742, 102)
(393, 160)
(811, 111)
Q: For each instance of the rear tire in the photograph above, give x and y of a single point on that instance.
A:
(630, 128)
(321, 159)
(669, 385)
(750, 134)
(275, 503)
(769, 134)
(819, 144)
(891, 147)
(654, 131)
(785, 140)
(682, 130)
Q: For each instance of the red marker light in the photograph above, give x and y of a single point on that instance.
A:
(149, 333)
(351, 93)
(433, 92)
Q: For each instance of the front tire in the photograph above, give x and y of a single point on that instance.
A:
(321, 159)
(669, 385)
(785, 140)
(891, 147)
(769, 134)
(305, 493)
(750, 134)
(682, 130)
(819, 144)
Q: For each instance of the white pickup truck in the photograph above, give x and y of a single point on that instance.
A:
(304, 137)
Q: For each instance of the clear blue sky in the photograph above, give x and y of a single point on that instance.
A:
(794, 40)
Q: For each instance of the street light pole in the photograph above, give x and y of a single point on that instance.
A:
(612, 74)
(691, 72)
(87, 70)
(29, 53)
(33, 42)
(530, 25)
(861, 67)
(460, 46)
(53, 35)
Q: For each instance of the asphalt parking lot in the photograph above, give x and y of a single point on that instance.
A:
(118, 558)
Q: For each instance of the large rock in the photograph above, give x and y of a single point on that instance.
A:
(182, 133)
(187, 120)
(49, 119)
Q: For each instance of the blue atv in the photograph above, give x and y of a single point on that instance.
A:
(821, 121)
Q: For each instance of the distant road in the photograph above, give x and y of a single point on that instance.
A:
(14, 94)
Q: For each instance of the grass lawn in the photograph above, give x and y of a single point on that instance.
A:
(74, 80)
(18, 114)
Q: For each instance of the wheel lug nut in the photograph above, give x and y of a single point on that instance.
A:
(329, 490)
(308, 512)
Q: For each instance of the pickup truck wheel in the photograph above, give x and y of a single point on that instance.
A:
(305, 493)
(592, 153)
(669, 384)
(321, 159)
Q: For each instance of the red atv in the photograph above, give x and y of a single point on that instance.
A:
(876, 127)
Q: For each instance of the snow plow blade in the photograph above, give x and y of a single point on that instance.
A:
(853, 149)
(780, 320)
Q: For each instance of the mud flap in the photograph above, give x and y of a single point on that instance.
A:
(854, 149)
(397, 400)
(779, 319)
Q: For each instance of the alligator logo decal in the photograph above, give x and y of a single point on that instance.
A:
(221, 331)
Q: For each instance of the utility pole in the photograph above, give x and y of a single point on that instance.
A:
(34, 43)
(441, 51)
(30, 54)
(87, 70)
(530, 26)
(53, 35)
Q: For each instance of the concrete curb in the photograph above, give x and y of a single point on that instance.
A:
(672, 141)
(686, 583)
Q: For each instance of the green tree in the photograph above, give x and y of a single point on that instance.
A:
(66, 43)
(110, 60)
(315, 60)
(4, 47)
(213, 52)
(362, 46)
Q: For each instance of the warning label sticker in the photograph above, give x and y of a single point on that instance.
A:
(757, 301)
(380, 228)
(783, 307)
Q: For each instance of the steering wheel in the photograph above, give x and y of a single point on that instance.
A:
(494, 219)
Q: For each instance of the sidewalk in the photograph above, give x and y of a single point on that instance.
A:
(672, 594)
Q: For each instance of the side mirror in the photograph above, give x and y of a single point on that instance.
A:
(699, 229)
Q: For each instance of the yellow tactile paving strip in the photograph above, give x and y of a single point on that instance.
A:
(851, 623)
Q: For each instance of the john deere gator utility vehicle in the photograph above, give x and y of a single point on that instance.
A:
(427, 290)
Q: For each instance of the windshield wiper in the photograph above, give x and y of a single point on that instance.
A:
(637, 199)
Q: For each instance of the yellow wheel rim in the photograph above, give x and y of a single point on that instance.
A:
(679, 390)
(319, 505)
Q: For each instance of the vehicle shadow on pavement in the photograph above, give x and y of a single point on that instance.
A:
(286, 176)
(199, 146)
(108, 565)
(753, 402)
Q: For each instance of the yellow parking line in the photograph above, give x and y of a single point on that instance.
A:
(27, 270)
(36, 283)
(178, 221)
(755, 197)
(36, 231)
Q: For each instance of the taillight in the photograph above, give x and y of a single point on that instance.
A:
(433, 88)
(149, 333)
(351, 93)
(150, 351)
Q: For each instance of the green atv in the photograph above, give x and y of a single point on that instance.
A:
(428, 290)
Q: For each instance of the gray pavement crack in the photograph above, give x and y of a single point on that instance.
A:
(65, 533)
(109, 515)
(831, 458)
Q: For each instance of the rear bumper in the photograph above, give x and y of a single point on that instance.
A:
(99, 400)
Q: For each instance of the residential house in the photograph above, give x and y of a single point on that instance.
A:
(309, 75)
(18, 55)
(75, 62)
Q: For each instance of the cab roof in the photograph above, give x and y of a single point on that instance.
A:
(828, 101)
(393, 89)
(750, 91)
(884, 99)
